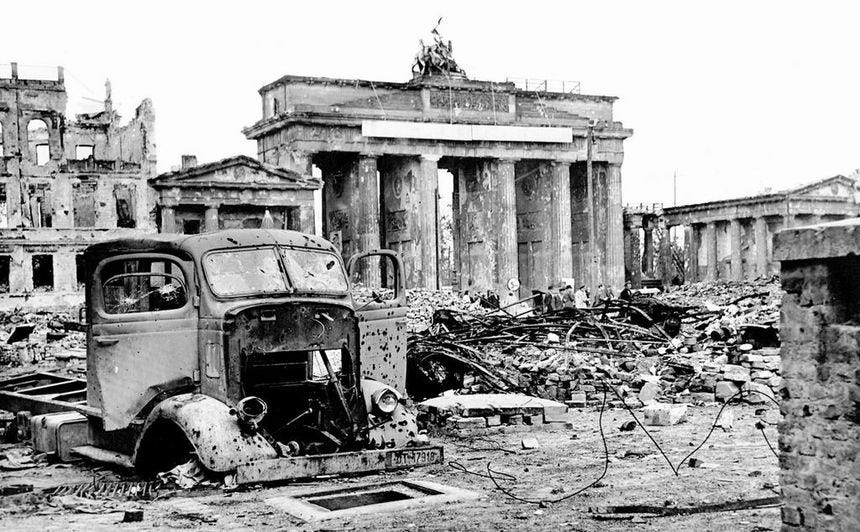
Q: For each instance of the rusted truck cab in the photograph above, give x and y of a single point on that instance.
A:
(251, 349)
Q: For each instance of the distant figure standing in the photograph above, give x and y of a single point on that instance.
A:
(567, 297)
(580, 298)
(603, 295)
(627, 293)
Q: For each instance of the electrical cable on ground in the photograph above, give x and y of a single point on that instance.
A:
(496, 476)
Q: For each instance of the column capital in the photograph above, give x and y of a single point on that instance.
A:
(371, 155)
(430, 157)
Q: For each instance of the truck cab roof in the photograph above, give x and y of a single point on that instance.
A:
(196, 245)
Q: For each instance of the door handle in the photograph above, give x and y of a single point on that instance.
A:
(102, 340)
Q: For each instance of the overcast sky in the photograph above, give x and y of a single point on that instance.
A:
(733, 96)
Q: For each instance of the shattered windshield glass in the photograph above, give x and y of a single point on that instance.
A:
(247, 271)
(314, 270)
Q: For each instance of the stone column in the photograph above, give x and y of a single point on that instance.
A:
(648, 249)
(365, 204)
(561, 239)
(307, 223)
(735, 243)
(168, 220)
(710, 240)
(691, 238)
(761, 238)
(632, 261)
(505, 225)
(426, 188)
(614, 273)
(210, 222)
(666, 266)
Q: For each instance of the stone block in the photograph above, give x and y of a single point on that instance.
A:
(771, 364)
(750, 357)
(554, 414)
(736, 373)
(577, 400)
(761, 374)
(725, 390)
(703, 397)
(649, 392)
(663, 414)
(494, 421)
(529, 443)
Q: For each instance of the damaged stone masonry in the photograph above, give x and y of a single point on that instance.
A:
(66, 184)
(524, 166)
(727, 240)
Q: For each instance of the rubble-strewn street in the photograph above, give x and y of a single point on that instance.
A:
(535, 451)
(577, 266)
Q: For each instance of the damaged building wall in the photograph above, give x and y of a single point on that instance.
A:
(233, 193)
(67, 183)
(819, 435)
(731, 240)
(486, 134)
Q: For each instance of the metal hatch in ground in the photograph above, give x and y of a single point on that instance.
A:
(400, 495)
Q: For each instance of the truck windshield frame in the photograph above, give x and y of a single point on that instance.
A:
(270, 270)
(312, 270)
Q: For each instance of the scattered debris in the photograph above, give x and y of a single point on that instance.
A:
(665, 511)
(529, 443)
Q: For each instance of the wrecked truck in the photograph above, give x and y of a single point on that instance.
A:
(247, 348)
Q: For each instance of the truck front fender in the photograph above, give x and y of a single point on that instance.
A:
(210, 429)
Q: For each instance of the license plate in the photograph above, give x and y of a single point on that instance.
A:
(413, 457)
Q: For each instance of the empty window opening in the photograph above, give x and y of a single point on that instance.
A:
(84, 203)
(84, 151)
(191, 227)
(80, 271)
(39, 205)
(43, 154)
(43, 272)
(5, 261)
(4, 207)
(37, 140)
(125, 206)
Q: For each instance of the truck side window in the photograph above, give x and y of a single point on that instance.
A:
(142, 285)
(373, 278)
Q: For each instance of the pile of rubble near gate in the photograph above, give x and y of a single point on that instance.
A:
(700, 343)
(33, 338)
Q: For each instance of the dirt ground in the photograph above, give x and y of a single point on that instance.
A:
(737, 464)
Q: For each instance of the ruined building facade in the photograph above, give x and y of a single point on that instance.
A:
(233, 193)
(65, 184)
(522, 208)
(729, 240)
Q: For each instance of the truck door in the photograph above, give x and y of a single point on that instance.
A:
(144, 333)
(379, 295)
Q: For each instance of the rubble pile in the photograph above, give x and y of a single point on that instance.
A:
(703, 343)
(473, 414)
(424, 302)
(33, 337)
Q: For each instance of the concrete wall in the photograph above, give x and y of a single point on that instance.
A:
(820, 432)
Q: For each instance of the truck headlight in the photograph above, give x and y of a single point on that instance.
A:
(385, 401)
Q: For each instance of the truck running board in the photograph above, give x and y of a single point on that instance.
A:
(296, 467)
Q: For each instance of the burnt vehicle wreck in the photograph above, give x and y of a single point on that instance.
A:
(243, 347)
